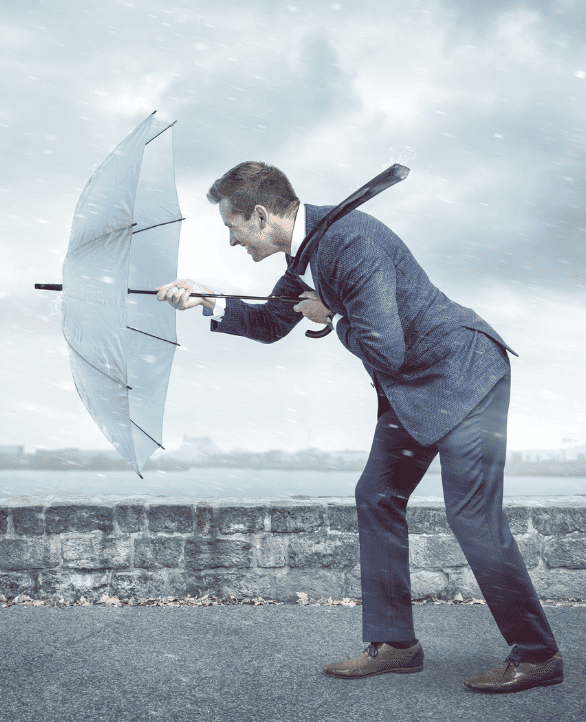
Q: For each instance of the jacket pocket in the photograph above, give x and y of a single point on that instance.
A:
(493, 336)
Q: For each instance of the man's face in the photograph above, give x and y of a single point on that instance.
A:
(262, 235)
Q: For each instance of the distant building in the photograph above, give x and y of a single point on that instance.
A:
(196, 448)
(569, 453)
(357, 455)
(11, 449)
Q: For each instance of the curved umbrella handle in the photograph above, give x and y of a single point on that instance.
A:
(395, 174)
(319, 334)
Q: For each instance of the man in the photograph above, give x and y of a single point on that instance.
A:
(443, 380)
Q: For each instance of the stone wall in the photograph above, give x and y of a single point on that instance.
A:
(145, 547)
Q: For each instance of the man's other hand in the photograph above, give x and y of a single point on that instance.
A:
(178, 293)
(312, 308)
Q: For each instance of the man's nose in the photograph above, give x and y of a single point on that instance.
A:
(233, 241)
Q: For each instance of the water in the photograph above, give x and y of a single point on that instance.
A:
(253, 483)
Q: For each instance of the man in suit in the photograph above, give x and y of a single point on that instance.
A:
(442, 375)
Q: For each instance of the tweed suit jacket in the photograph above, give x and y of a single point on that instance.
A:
(433, 359)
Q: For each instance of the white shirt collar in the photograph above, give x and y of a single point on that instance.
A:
(297, 240)
(298, 230)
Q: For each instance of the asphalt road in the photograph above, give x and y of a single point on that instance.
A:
(263, 664)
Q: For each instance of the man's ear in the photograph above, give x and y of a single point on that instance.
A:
(262, 213)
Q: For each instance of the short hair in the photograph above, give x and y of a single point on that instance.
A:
(251, 183)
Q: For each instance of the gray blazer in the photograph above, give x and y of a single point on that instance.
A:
(434, 359)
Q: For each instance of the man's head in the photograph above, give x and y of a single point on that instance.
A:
(258, 204)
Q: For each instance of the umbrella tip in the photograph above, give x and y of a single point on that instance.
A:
(154, 111)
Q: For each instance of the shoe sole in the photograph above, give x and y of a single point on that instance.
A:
(405, 670)
(520, 688)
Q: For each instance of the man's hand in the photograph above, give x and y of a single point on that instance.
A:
(177, 293)
(313, 308)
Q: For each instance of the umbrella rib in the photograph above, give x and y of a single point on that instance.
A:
(158, 134)
(151, 335)
(145, 433)
(166, 223)
(95, 367)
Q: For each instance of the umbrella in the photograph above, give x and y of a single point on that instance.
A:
(125, 232)
(121, 346)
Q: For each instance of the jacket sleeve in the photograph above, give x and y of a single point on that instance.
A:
(267, 322)
(371, 329)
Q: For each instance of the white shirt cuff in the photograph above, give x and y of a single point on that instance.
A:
(219, 309)
(335, 319)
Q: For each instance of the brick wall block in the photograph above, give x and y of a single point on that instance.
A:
(460, 581)
(297, 518)
(73, 517)
(4, 510)
(205, 523)
(139, 584)
(352, 583)
(319, 550)
(568, 552)
(130, 517)
(29, 553)
(316, 583)
(271, 552)
(157, 552)
(427, 584)
(15, 583)
(212, 553)
(466, 581)
(530, 548)
(435, 551)
(559, 520)
(95, 551)
(343, 518)
(559, 583)
(218, 583)
(73, 585)
(422, 520)
(28, 520)
(181, 583)
(518, 518)
(240, 519)
(170, 518)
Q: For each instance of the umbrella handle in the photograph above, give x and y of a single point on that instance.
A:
(319, 334)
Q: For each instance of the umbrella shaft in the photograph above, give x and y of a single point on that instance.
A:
(59, 287)
(222, 295)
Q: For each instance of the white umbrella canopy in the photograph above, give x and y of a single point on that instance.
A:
(125, 234)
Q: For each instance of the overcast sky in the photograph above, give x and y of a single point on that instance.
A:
(484, 102)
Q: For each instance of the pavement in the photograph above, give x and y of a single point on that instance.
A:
(263, 663)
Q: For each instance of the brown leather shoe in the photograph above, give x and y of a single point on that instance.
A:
(378, 660)
(513, 676)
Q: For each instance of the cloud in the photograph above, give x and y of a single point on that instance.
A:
(564, 17)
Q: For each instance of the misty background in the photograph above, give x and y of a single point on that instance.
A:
(484, 102)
